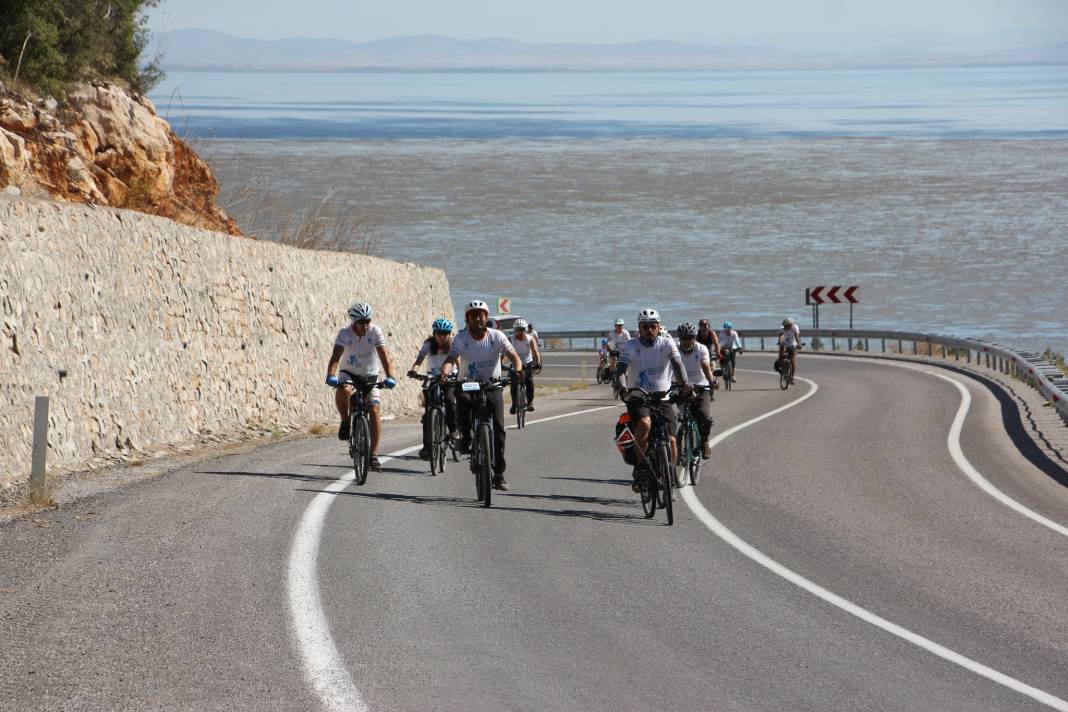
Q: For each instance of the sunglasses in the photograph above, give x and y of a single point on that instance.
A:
(363, 321)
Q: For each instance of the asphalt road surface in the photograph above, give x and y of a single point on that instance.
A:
(841, 553)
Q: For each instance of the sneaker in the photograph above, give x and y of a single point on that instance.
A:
(511, 410)
(530, 408)
(343, 431)
(424, 453)
(706, 451)
(375, 464)
(499, 483)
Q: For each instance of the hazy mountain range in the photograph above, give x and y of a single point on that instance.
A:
(201, 49)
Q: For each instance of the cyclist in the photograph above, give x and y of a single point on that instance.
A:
(789, 342)
(532, 333)
(527, 348)
(360, 352)
(730, 345)
(603, 355)
(434, 351)
(706, 336)
(698, 363)
(476, 352)
(647, 362)
(616, 338)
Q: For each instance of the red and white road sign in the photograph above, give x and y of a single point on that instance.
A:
(816, 295)
(504, 305)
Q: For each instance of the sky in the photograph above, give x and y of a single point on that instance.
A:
(606, 21)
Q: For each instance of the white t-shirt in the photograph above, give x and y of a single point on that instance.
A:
(360, 356)
(616, 341)
(433, 361)
(480, 360)
(730, 340)
(649, 367)
(523, 348)
(791, 336)
(693, 360)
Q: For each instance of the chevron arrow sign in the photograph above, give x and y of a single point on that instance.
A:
(834, 295)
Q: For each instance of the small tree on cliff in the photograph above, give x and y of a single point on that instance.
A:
(61, 41)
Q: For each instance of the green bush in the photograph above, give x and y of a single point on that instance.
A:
(70, 40)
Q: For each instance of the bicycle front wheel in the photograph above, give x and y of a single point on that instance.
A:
(728, 373)
(663, 469)
(685, 446)
(360, 448)
(520, 405)
(485, 456)
(784, 377)
(436, 432)
(694, 466)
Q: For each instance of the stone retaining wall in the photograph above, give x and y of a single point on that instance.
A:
(146, 332)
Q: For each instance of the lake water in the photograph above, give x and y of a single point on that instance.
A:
(942, 193)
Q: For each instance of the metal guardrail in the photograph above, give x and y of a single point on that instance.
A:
(1041, 375)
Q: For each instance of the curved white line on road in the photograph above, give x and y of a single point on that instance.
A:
(323, 665)
(834, 599)
(957, 453)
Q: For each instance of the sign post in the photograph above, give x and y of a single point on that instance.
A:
(40, 448)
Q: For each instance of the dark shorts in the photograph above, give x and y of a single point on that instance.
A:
(644, 411)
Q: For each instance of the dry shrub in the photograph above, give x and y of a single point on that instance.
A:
(317, 428)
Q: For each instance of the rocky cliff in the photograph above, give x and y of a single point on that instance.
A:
(104, 146)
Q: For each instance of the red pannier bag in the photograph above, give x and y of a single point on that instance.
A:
(625, 440)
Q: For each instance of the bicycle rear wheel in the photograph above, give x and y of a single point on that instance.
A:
(485, 473)
(663, 475)
(728, 373)
(360, 448)
(600, 374)
(436, 432)
(647, 491)
(784, 377)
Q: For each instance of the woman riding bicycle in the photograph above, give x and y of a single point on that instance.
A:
(698, 363)
(789, 343)
(434, 351)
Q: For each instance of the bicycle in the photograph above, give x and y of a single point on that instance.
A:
(786, 368)
(360, 425)
(617, 391)
(603, 374)
(655, 487)
(688, 437)
(519, 397)
(434, 430)
(728, 366)
(482, 454)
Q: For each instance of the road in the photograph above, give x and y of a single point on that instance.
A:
(835, 556)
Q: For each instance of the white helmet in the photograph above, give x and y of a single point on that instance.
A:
(360, 310)
(476, 304)
(620, 322)
(787, 322)
(648, 315)
(520, 324)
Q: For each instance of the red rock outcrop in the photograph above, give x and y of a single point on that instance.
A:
(103, 145)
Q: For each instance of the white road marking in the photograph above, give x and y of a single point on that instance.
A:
(957, 453)
(323, 666)
(797, 579)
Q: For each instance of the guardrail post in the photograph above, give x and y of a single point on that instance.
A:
(40, 448)
(968, 355)
(900, 349)
(761, 343)
(884, 345)
(915, 348)
(834, 344)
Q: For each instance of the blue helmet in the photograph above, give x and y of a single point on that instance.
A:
(442, 325)
(728, 326)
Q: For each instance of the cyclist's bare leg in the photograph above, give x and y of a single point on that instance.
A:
(376, 427)
(793, 360)
(341, 400)
(641, 436)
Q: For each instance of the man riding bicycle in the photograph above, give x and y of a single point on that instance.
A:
(477, 353)
(789, 343)
(527, 348)
(730, 345)
(434, 351)
(616, 338)
(360, 352)
(698, 364)
(648, 362)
